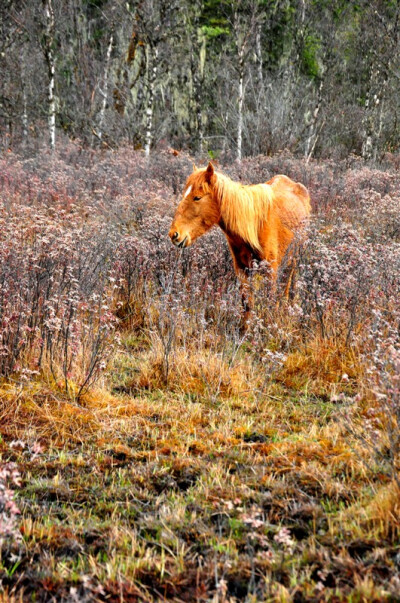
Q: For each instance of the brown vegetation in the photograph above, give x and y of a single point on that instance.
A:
(148, 450)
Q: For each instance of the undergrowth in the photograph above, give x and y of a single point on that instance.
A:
(149, 450)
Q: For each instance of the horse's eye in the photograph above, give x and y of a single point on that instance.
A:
(196, 198)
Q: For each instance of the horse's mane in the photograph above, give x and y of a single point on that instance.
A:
(244, 208)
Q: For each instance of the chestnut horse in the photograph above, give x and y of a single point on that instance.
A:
(259, 220)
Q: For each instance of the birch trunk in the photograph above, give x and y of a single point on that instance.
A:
(199, 116)
(104, 91)
(259, 56)
(198, 55)
(24, 117)
(312, 134)
(240, 106)
(367, 144)
(373, 116)
(51, 67)
(245, 29)
(152, 55)
(380, 70)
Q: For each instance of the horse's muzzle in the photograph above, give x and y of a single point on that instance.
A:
(174, 236)
(183, 242)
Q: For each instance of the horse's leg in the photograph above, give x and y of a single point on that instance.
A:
(292, 262)
(287, 268)
(290, 283)
(242, 259)
(273, 278)
(247, 298)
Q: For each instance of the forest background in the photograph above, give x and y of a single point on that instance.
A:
(315, 77)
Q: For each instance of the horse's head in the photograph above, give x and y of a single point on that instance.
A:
(198, 210)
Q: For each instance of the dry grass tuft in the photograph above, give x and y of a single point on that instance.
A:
(382, 514)
(319, 366)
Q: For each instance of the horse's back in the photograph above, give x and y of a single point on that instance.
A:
(283, 185)
(291, 200)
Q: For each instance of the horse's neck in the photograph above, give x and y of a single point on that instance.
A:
(238, 219)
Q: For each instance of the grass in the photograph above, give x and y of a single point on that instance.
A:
(147, 491)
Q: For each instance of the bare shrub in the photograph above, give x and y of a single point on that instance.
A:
(84, 241)
(54, 284)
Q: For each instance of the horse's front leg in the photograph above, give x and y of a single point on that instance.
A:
(247, 296)
(242, 260)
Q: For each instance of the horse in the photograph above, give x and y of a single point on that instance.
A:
(259, 221)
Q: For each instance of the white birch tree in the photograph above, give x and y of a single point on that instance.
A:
(197, 44)
(104, 89)
(153, 25)
(245, 19)
(382, 55)
(152, 67)
(48, 49)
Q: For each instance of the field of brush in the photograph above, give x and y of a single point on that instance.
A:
(149, 451)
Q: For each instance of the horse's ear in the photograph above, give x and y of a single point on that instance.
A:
(194, 167)
(209, 172)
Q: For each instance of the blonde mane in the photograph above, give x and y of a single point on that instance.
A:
(244, 208)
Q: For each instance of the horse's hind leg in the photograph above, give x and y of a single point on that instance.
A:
(294, 256)
(287, 270)
(290, 282)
